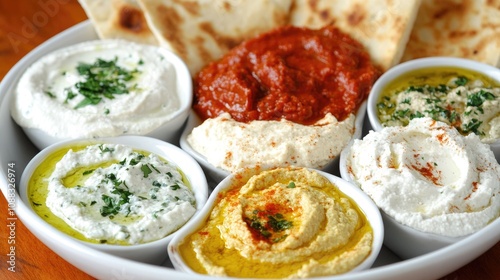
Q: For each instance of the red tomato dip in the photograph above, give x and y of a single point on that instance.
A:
(294, 73)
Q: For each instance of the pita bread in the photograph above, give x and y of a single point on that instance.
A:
(459, 28)
(382, 26)
(119, 19)
(201, 31)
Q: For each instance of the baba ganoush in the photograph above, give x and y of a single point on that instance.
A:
(462, 98)
(428, 176)
(285, 97)
(99, 88)
(111, 193)
(281, 223)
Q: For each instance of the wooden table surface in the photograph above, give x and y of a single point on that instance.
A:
(25, 24)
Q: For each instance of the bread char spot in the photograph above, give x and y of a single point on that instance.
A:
(132, 19)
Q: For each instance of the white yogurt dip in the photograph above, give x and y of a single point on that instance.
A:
(97, 89)
(428, 176)
(114, 194)
(233, 145)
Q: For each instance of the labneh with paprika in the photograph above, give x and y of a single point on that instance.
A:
(295, 91)
(429, 177)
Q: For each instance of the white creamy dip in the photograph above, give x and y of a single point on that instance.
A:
(233, 145)
(57, 94)
(114, 194)
(428, 176)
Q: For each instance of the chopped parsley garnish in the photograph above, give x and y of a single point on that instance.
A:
(136, 160)
(472, 126)
(156, 184)
(102, 79)
(156, 169)
(278, 223)
(291, 185)
(417, 114)
(269, 227)
(155, 213)
(113, 205)
(50, 94)
(415, 88)
(406, 101)
(146, 170)
(477, 99)
(87, 172)
(106, 149)
(461, 81)
(69, 95)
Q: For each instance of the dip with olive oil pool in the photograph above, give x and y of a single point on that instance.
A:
(462, 98)
(110, 193)
(282, 223)
(100, 88)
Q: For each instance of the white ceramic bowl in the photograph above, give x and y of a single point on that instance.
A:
(405, 241)
(169, 130)
(152, 252)
(363, 201)
(422, 63)
(408, 243)
(218, 174)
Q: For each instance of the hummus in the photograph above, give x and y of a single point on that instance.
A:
(467, 101)
(429, 177)
(233, 145)
(110, 193)
(97, 89)
(283, 223)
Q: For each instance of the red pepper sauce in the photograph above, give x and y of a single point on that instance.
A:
(294, 73)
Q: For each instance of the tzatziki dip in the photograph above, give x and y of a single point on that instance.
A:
(111, 193)
(428, 176)
(98, 88)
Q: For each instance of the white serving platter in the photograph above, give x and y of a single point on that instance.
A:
(16, 148)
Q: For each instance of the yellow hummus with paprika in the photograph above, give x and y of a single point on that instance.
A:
(282, 223)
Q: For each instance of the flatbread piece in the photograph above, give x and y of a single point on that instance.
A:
(382, 26)
(119, 19)
(201, 31)
(459, 28)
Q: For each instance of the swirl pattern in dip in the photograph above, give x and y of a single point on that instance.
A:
(288, 222)
(429, 177)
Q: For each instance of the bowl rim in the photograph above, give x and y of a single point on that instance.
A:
(362, 200)
(195, 176)
(420, 63)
